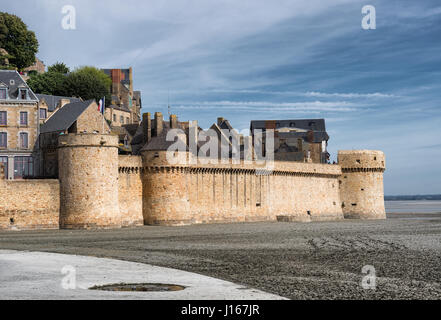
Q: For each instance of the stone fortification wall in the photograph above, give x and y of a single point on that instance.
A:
(130, 190)
(29, 204)
(187, 194)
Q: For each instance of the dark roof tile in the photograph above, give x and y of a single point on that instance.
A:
(65, 117)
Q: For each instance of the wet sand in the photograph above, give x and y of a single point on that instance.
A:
(319, 260)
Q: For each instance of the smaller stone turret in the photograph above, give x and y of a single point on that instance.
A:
(361, 183)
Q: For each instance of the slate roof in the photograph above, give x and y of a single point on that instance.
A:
(65, 117)
(318, 136)
(17, 81)
(286, 148)
(225, 125)
(306, 124)
(131, 128)
(160, 143)
(52, 101)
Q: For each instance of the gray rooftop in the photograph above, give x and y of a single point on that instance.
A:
(64, 118)
(306, 124)
(160, 143)
(12, 80)
(52, 101)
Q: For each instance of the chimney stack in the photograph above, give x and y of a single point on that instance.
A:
(220, 120)
(146, 127)
(173, 121)
(159, 123)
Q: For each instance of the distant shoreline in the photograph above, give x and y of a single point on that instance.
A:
(413, 197)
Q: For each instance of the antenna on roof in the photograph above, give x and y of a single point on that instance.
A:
(168, 103)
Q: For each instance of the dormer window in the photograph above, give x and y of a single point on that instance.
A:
(3, 93)
(12, 82)
(23, 94)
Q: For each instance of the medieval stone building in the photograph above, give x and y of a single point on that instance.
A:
(125, 107)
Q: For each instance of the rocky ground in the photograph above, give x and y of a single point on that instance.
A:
(319, 260)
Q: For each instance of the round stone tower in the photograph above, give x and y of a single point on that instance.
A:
(166, 185)
(88, 173)
(361, 184)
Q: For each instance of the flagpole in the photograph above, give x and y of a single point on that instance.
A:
(104, 108)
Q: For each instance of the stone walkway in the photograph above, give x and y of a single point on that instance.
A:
(39, 275)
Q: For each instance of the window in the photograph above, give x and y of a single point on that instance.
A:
(11, 82)
(23, 94)
(4, 160)
(23, 118)
(3, 93)
(43, 113)
(24, 143)
(114, 118)
(3, 140)
(3, 118)
(121, 119)
(23, 167)
(127, 120)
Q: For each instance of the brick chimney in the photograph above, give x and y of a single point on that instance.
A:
(146, 127)
(159, 123)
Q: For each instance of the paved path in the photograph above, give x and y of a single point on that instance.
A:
(38, 275)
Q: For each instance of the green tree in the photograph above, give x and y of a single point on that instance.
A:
(87, 83)
(20, 43)
(48, 83)
(4, 60)
(58, 67)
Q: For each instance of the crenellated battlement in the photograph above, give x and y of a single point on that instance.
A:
(357, 159)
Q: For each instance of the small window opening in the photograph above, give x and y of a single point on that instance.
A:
(354, 204)
(11, 220)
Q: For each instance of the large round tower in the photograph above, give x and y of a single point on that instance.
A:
(88, 173)
(361, 183)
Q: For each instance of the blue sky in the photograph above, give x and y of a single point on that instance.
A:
(248, 60)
